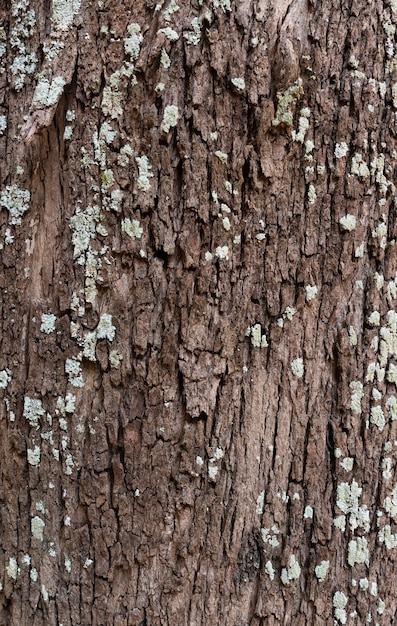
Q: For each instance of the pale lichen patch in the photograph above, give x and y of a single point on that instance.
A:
(269, 569)
(348, 222)
(193, 37)
(303, 126)
(359, 167)
(105, 328)
(339, 602)
(33, 411)
(73, 371)
(258, 340)
(285, 101)
(3, 124)
(48, 323)
(144, 173)
(238, 83)
(132, 228)
(357, 395)
(48, 93)
(12, 569)
(170, 117)
(311, 292)
(260, 503)
(297, 367)
(169, 33)
(37, 527)
(33, 455)
(358, 552)
(347, 463)
(377, 417)
(292, 572)
(16, 201)
(321, 571)
(222, 252)
(5, 378)
(222, 156)
(63, 12)
(165, 59)
(341, 150)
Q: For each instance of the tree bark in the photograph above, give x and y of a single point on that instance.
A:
(199, 337)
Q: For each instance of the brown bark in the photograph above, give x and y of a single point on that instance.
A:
(198, 345)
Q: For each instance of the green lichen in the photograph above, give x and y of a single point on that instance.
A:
(284, 114)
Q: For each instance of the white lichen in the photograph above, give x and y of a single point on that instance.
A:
(260, 503)
(33, 456)
(341, 150)
(270, 536)
(16, 201)
(33, 411)
(105, 328)
(358, 552)
(348, 502)
(238, 83)
(391, 405)
(347, 463)
(386, 536)
(165, 59)
(48, 323)
(269, 569)
(48, 93)
(339, 602)
(132, 43)
(222, 252)
(303, 126)
(37, 527)
(221, 4)
(297, 367)
(125, 155)
(374, 318)
(377, 417)
(258, 340)
(193, 37)
(90, 342)
(5, 378)
(359, 167)
(321, 571)
(63, 12)
(290, 312)
(222, 156)
(170, 117)
(3, 124)
(169, 33)
(292, 572)
(12, 569)
(348, 222)
(311, 194)
(132, 228)
(311, 291)
(173, 7)
(352, 336)
(357, 395)
(359, 252)
(212, 472)
(144, 173)
(73, 371)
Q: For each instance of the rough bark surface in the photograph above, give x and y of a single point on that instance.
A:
(198, 359)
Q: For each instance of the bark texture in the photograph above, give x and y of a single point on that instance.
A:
(198, 360)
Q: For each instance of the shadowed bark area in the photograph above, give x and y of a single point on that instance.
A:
(198, 345)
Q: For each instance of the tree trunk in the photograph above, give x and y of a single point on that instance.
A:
(198, 361)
